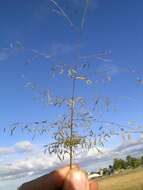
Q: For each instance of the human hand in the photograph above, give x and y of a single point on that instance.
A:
(77, 179)
(62, 179)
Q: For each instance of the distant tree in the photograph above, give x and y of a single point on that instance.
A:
(129, 160)
(135, 163)
(119, 164)
(124, 164)
(105, 171)
(141, 160)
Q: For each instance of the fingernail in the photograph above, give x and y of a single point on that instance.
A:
(76, 180)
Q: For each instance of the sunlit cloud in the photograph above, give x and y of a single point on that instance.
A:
(37, 163)
(6, 150)
(24, 146)
(20, 147)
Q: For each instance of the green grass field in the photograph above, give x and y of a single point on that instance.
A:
(131, 180)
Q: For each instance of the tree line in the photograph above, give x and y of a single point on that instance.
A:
(123, 164)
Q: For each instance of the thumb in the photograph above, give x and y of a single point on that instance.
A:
(76, 180)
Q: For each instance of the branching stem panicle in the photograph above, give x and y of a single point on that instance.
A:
(72, 124)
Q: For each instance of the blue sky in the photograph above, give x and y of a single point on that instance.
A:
(114, 26)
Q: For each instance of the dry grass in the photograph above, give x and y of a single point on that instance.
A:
(128, 181)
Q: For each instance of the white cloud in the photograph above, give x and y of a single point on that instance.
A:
(37, 163)
(20, 147)
(134, 147)
(34, 165)
(6, 150)
(24, 146)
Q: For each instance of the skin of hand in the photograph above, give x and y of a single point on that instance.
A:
(62, 179)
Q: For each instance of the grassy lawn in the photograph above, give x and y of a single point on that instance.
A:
(132, 180)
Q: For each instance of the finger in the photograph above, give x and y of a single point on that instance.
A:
(93, 185)
(76, 179)
(51, 181)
